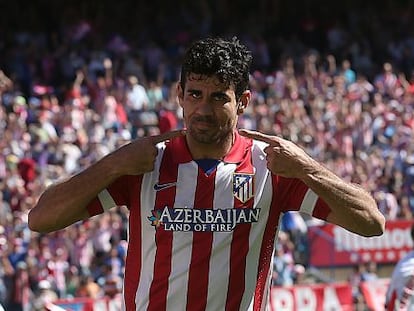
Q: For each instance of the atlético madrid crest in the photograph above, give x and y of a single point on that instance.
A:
(243, 186)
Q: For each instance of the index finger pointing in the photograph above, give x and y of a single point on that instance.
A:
(166, 136)
(258, 136)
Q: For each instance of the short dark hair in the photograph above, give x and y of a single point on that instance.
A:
(227, 59)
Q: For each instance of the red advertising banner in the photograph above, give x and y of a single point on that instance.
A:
(312, 297)
(332, 245)
(86, 304)
(317, 297)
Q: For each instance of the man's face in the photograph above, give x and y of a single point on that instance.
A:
(209, 107)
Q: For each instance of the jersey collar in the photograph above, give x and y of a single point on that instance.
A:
(237, 152)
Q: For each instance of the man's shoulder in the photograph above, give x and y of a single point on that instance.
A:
(408, 258)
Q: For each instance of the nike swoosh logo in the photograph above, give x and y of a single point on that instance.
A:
(158, 187)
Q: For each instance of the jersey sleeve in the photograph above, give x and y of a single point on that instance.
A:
(400, 292)
(294, 195)
(390, 296)
(116, 194)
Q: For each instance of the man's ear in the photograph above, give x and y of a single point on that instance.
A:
(243, 102)
(180, 93)
(240, 107)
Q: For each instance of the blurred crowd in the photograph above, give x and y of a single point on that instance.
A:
(68, 100)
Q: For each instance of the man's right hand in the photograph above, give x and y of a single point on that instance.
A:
(138, 156)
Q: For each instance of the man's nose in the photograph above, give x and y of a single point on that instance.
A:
(205, 106)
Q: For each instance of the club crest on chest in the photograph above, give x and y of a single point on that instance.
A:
(243, 186)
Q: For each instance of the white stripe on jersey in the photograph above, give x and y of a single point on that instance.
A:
(263, 192)
(106, 200)
(220, 255)
(182, 241)
(309, 202)
(148, 246)
(252, 262)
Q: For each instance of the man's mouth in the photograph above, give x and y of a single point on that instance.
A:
(203, 123)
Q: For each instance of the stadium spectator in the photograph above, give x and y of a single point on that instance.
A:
(355, 279)
(88, 288)
(167, 117)
(370, 273)
(6, 274)
(45, 295)
(110, 281)
(20, 291)
(283, 263)
(136, 103)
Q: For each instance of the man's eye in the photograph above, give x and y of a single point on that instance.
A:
(220, 98)
(195, 94)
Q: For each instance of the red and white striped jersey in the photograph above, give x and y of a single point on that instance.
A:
(204, 242)
(400, 292)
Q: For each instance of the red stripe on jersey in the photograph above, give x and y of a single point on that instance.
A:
(95, 207)
(238, 253)
(322, 211)
(285, 187)
(391, 303)
(202, 245)
(133, 268)
(239, 248)
(162, 270)
(163, 238)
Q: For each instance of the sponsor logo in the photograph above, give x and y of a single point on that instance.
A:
(158, 186)
(243, 188)
(191, 219)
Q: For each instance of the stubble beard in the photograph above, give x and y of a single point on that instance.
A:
(209, 137)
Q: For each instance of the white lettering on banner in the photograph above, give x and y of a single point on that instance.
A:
(393, 238)
(305, 299)
(282, 299)
(311, 298)
(330, 299)
(374, 293)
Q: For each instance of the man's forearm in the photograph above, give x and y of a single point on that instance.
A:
(352, 207)
(64, 203)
